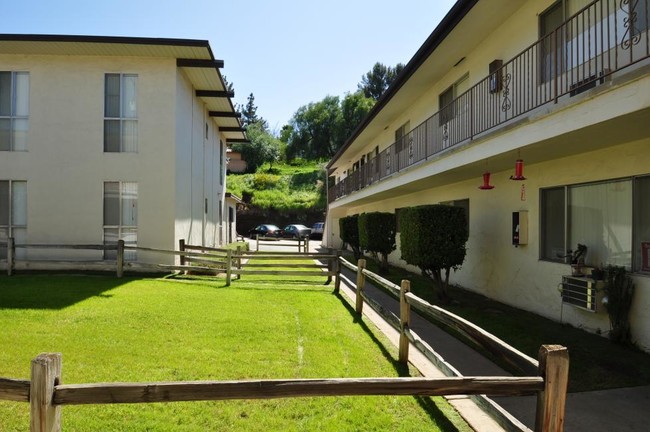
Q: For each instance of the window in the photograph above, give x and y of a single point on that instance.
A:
(120, 113)
(611, 218)
(446, 101)
(120, 216)
(14, 110)
(552, 44)
(401, 136)
(13, 212)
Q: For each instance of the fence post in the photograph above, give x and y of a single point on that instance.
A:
(404, 321)
(228, 266)
(306, 245)
(46, 373)
(337, 270)
(554, 368)
(257, 237)
(238, 261)
(11, 255)
(299, 240)
(361, 282)
(120, 258)
(181, 247)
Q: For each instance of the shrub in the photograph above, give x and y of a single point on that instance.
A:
(433, 238)
(349, 229)
(377, 234)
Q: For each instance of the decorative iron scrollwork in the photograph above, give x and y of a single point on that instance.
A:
(445, 132)
(506, 104)
(631, 36)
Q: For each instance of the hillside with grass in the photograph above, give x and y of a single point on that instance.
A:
(294, 192)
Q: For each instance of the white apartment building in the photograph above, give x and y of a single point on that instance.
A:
(551, 99)
(107, 138)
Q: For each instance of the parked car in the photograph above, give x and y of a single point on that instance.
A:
(317, 230)
(296, 231)
(265, 230)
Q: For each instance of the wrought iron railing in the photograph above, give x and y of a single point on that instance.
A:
(601, 39)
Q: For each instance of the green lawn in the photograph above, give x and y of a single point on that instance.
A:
(173, 329)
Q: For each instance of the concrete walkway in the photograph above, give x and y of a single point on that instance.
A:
(598, 411)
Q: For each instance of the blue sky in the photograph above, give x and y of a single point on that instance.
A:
(287, 52)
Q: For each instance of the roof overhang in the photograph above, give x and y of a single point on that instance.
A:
(193, 57)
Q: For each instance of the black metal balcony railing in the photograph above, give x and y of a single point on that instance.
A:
(603, 38)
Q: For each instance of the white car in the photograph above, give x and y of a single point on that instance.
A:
(317, 230)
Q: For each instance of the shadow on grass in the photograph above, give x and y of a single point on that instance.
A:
(426, 403)
(54, 291)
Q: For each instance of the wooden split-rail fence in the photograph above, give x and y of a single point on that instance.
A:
(194, 259)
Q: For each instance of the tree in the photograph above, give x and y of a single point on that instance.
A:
(433, 238)
(318, 130)
(377, 234)
(354, 108)
(228, 86)
(263, 147)
(315, 128)
(375, 82)
(249, 113)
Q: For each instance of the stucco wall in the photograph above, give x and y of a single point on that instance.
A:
(515, 275)
(65, 165)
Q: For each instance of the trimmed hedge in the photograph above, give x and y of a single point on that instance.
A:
(349, 229)
(433, 238)
(377, 234)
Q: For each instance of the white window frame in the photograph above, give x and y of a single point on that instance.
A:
(121, 226)
(13, 117)
(121, 118)
(10, 229)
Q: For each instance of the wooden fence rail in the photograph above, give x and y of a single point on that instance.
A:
(47, 395)
(550, 400)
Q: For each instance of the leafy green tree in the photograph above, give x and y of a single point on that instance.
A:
(375, 82)
(318, 130)
(315, 129)
(354, 108)
(433, 238)
(263, 147)
(377, 234)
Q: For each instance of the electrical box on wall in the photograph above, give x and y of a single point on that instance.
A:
(520, 228)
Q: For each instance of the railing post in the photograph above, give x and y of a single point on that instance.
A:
(120, 258)
(361, 282)
(404, 321)
(554, 368)
(306, 245)
(46, 373)
(238, 261)
(181, 247)
(228, 266)
(337, 270)
(11, 255)
(257, 238)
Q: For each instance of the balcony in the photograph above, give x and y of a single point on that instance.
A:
(600, 40)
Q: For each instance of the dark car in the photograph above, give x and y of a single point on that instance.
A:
(265, 230)
(296, 231)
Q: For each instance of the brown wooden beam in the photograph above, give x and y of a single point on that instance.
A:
(199, 63)
(238, 140)
(231, 129)
(225, 114)
(215, 93)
